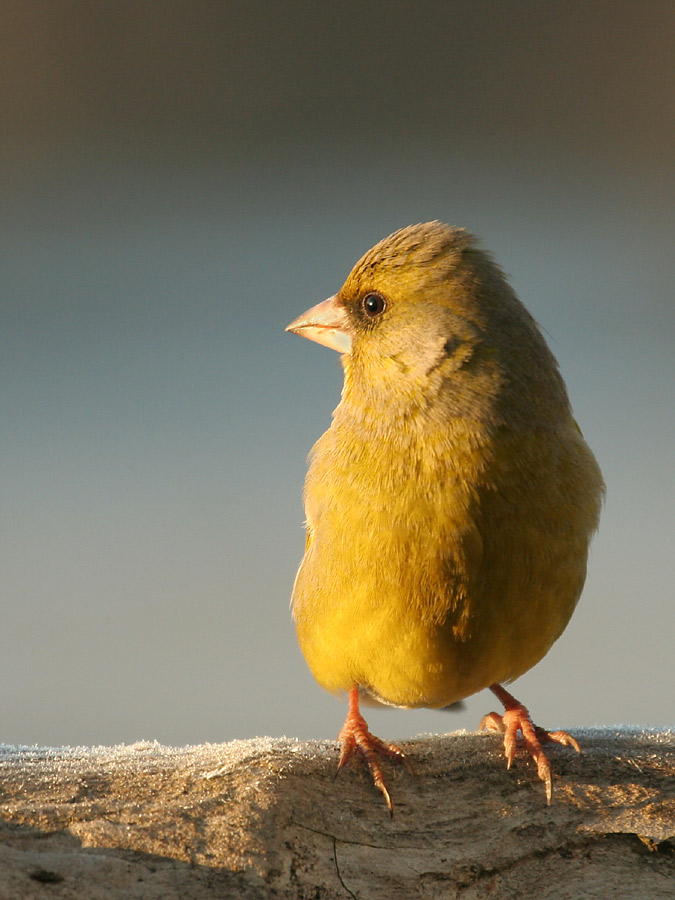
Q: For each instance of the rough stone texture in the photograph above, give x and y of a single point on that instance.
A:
(267, 818)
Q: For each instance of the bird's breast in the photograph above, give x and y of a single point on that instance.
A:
(435, 568)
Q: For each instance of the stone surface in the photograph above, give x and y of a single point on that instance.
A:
(268, 818)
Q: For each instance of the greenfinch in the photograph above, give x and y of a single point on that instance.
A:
(450, 505)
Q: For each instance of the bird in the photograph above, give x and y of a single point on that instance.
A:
(451, 502)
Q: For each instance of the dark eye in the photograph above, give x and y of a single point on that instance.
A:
(374, 305)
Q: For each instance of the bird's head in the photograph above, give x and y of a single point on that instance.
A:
(425, 311)
(396, 302)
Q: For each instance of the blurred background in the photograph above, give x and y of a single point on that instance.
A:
(179, 181)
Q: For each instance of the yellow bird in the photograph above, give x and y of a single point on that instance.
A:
(451, 503)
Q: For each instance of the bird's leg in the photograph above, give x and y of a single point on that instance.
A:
(355, 738)
(517, 718)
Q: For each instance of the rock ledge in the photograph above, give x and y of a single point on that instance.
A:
(267, 818)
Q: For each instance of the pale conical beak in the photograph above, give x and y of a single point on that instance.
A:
(327, 324)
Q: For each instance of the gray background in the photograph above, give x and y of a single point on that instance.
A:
(179, 181)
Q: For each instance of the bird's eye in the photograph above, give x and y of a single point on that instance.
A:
(374, 305)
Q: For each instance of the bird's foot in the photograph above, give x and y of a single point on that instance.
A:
(516, 718)
(355, 737)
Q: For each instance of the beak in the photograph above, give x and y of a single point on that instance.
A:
(327, 324)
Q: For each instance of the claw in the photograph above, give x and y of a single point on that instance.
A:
(560, 737)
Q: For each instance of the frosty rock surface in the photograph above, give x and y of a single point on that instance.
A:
(268, 818)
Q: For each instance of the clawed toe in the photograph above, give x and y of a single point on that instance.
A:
(356, 738)
(517, 718)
